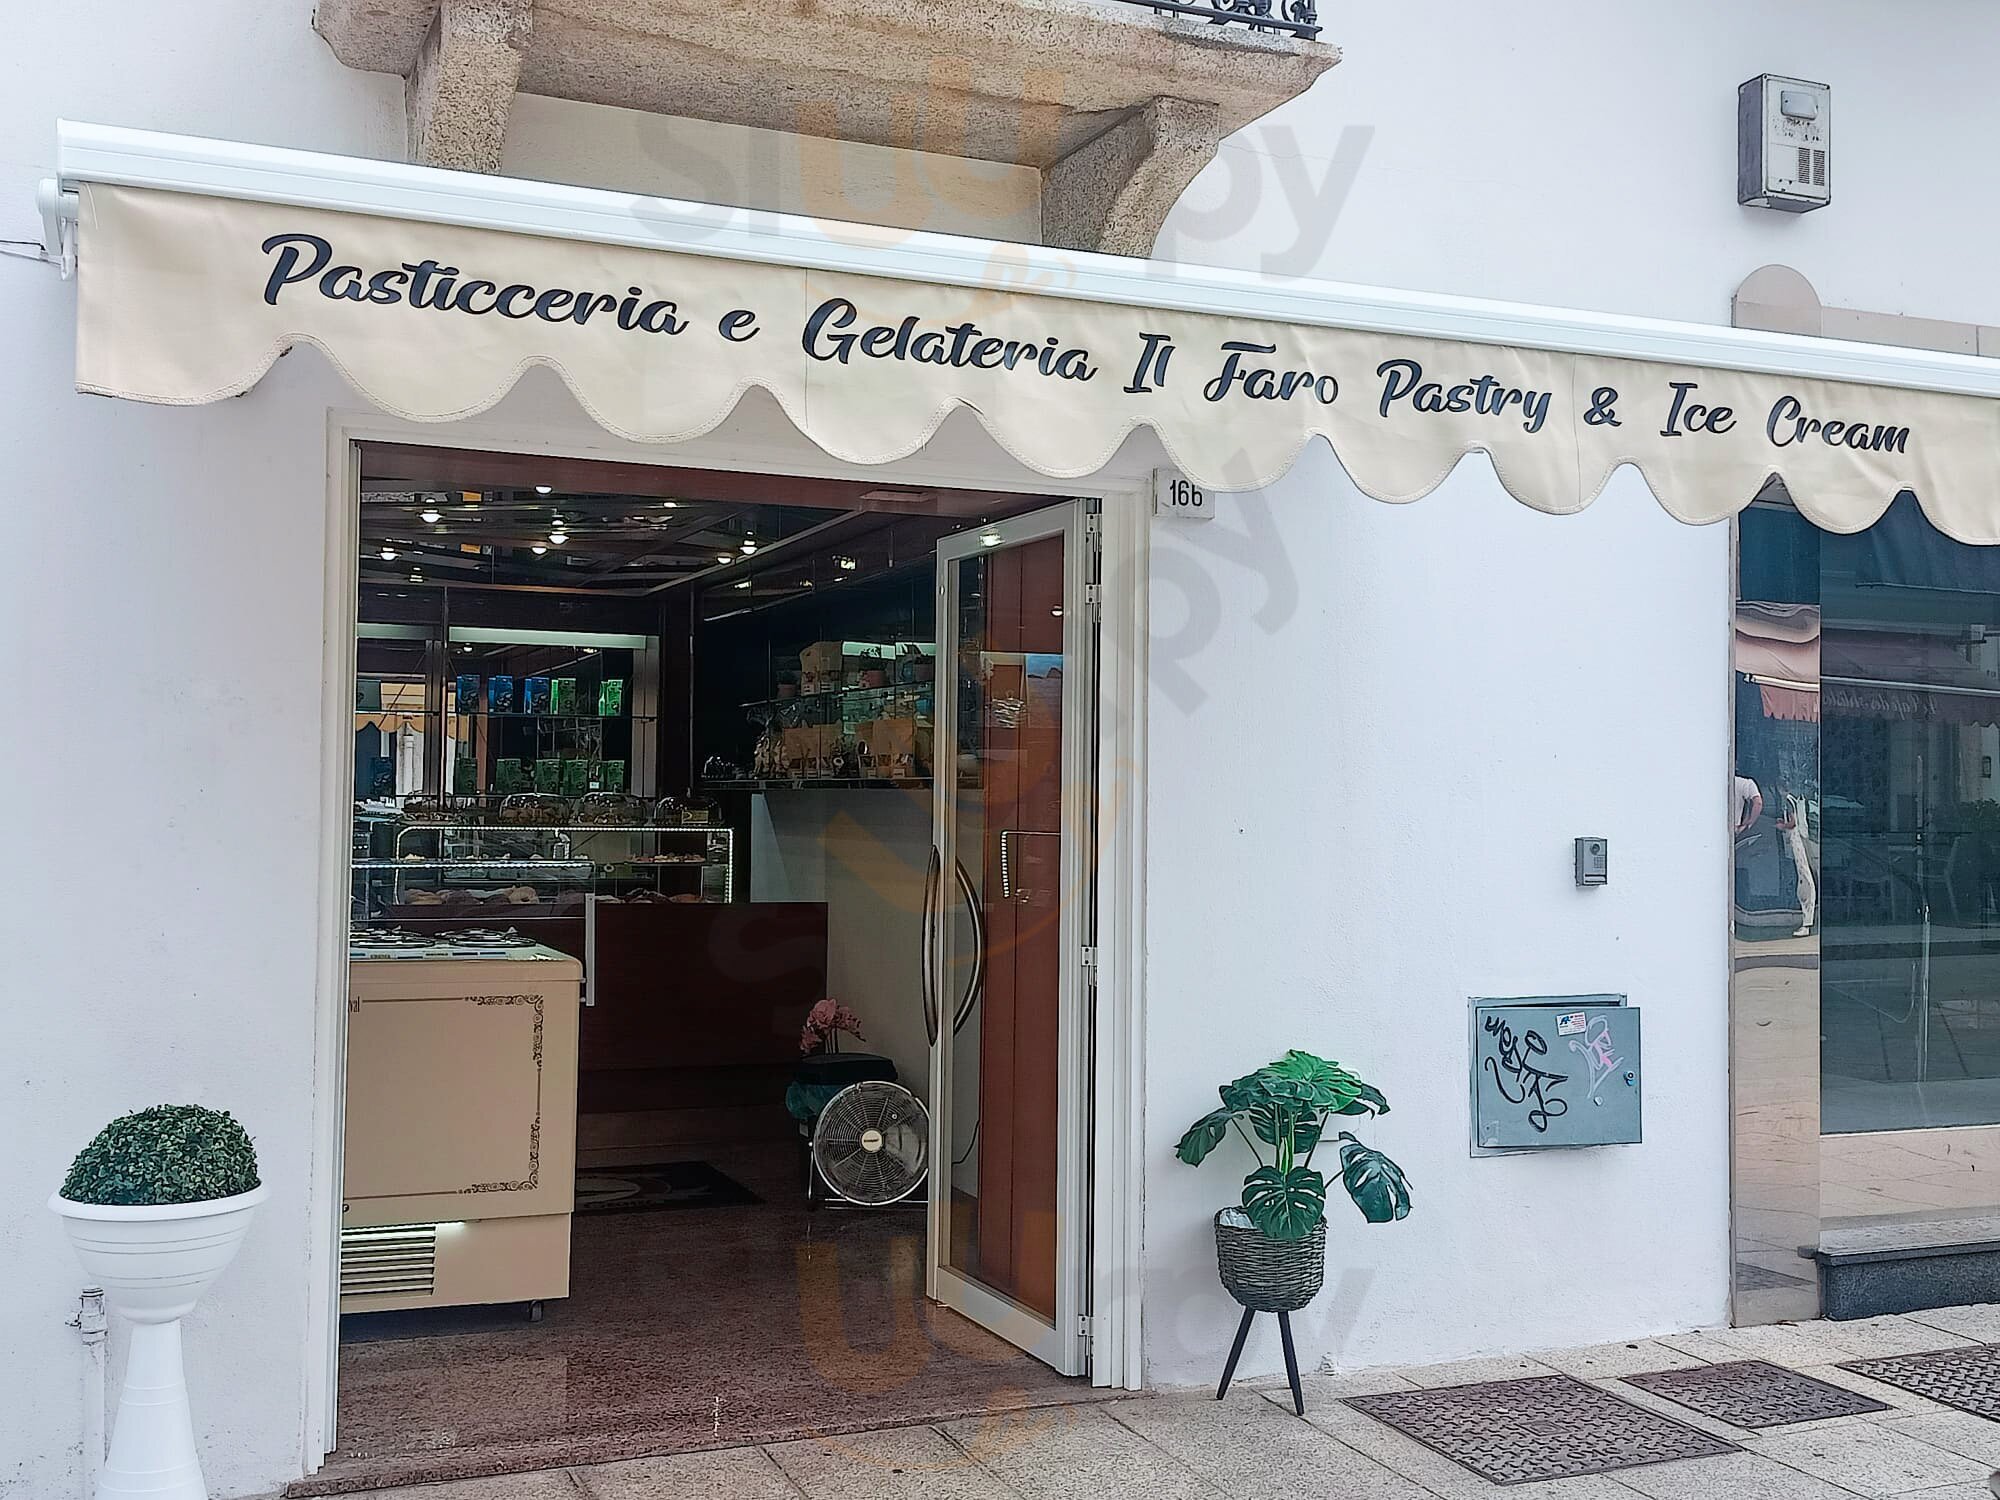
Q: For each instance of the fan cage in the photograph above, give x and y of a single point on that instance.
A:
(895, 1166)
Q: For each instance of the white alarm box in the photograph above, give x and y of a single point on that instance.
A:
(1784, 143)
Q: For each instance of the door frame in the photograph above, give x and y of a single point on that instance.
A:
(1117, 1154)
(1065, 1341)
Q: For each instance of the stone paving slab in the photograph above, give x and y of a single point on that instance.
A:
(1252, 1447)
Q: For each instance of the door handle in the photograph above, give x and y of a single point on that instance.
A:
(976, 980)
(933, 919)
(931, 884)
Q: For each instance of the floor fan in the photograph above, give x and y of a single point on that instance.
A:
(871, 1145)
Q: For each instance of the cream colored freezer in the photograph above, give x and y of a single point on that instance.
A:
(460, 1165)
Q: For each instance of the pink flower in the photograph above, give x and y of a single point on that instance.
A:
(823, 1020)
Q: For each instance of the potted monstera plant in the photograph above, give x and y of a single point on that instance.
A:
(155, 1207)
(1271, 1251)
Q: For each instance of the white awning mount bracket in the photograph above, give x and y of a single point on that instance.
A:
(58, 206)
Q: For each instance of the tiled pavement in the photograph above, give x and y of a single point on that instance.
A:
(1187, 1446)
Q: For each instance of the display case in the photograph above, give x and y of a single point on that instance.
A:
(490, 872)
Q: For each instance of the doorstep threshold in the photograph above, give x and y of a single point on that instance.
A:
(1907, 1239)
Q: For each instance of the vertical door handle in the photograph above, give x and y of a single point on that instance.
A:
(976, 980)
(932, 884)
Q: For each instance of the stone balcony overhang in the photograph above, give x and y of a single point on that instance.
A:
(1115, 104)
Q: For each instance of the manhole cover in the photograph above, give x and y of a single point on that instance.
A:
(1544, 1427)
(1968, 1379)
(1755, 1393)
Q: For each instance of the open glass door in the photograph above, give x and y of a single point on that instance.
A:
(1007, 920)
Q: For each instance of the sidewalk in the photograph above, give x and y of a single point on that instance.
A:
(1187, 1446)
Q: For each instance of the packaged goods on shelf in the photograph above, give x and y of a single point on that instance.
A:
(575, 777)
(500, 694)
(509, 775)
(831, 665)
(535, 695)
(466, 696)
(611, 775)
(562, 696)
(611, 697)
(548, 775)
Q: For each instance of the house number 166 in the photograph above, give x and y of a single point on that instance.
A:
(1179, 497)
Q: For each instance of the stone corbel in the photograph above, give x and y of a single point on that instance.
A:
(1114, 192)
(459, 93)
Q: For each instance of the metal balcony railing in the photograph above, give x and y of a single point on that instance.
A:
(1299, 17)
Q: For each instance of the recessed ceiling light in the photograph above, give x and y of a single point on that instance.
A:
(744, 584)
(749, 547)
(558, 537)
(545, 489)
(670, 505)
(1057, 611)
(989, 538)
(538, 549)
(388, 554)
(417, 576)
(431, 517)
(724, 557)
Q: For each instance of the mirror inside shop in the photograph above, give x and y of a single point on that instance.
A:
(642, 880)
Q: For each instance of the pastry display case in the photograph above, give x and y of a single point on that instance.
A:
(454, 866)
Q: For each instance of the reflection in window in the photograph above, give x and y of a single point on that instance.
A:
(1908, 828)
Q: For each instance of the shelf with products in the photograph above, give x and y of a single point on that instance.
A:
(817, 783)
(479, 870)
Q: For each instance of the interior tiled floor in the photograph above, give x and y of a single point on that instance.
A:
(1251, 1447)
(690, 1328)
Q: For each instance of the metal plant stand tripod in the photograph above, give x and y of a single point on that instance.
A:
(1291, 1357)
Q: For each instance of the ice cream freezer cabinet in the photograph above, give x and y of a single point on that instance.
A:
(460, 1164)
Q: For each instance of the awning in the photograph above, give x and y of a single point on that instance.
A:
(200, 263)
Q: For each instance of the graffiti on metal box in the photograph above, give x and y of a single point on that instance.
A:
(1515, 1063)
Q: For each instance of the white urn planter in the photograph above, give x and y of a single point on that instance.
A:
(154, 1262)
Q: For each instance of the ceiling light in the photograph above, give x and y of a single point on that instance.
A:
(847, 564)
(749, 547)
(388, 554)
(558, 537)
(417, 575)
(1057, 611)
(724, 557)
(744, 584)
(670, 505)
(545, 489)
(989, 538)
(538, 549)
(431, 517)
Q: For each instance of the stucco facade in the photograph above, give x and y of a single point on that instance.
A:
(1372, 731)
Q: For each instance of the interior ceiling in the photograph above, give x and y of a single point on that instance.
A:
(633, 529)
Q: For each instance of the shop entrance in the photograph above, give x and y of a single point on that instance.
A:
(718, 1018)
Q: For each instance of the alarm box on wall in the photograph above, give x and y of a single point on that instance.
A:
(1556, 1071)
(1784, 144)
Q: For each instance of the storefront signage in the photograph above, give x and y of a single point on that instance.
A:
(190, 299)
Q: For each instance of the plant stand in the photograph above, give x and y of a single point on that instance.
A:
(1267, 1275)
(154, 1263)
(1291, 1357)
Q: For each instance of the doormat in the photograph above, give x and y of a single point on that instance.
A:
(1755, 1393)
(658, 1185)
(1544, 1427)
(1968, 1379)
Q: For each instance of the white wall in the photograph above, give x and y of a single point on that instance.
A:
(1362, 799)
(1446, 693)
(863, 853)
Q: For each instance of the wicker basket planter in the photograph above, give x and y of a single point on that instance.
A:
(1267, 1275)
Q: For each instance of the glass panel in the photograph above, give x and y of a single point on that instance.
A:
(1774, 992)
(1008, 833)
(1911, 992)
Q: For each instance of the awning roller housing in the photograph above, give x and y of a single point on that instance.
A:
(200, 263)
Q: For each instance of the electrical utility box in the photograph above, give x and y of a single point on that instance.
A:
(1784, 144)
(1554, 1072)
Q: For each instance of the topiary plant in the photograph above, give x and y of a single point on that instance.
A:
(171, 1153)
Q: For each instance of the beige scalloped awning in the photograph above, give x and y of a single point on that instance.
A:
(187, 299)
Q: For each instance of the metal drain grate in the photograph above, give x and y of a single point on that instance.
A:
(1968, 1379)
(1544, 1427)
(1755, 1393)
